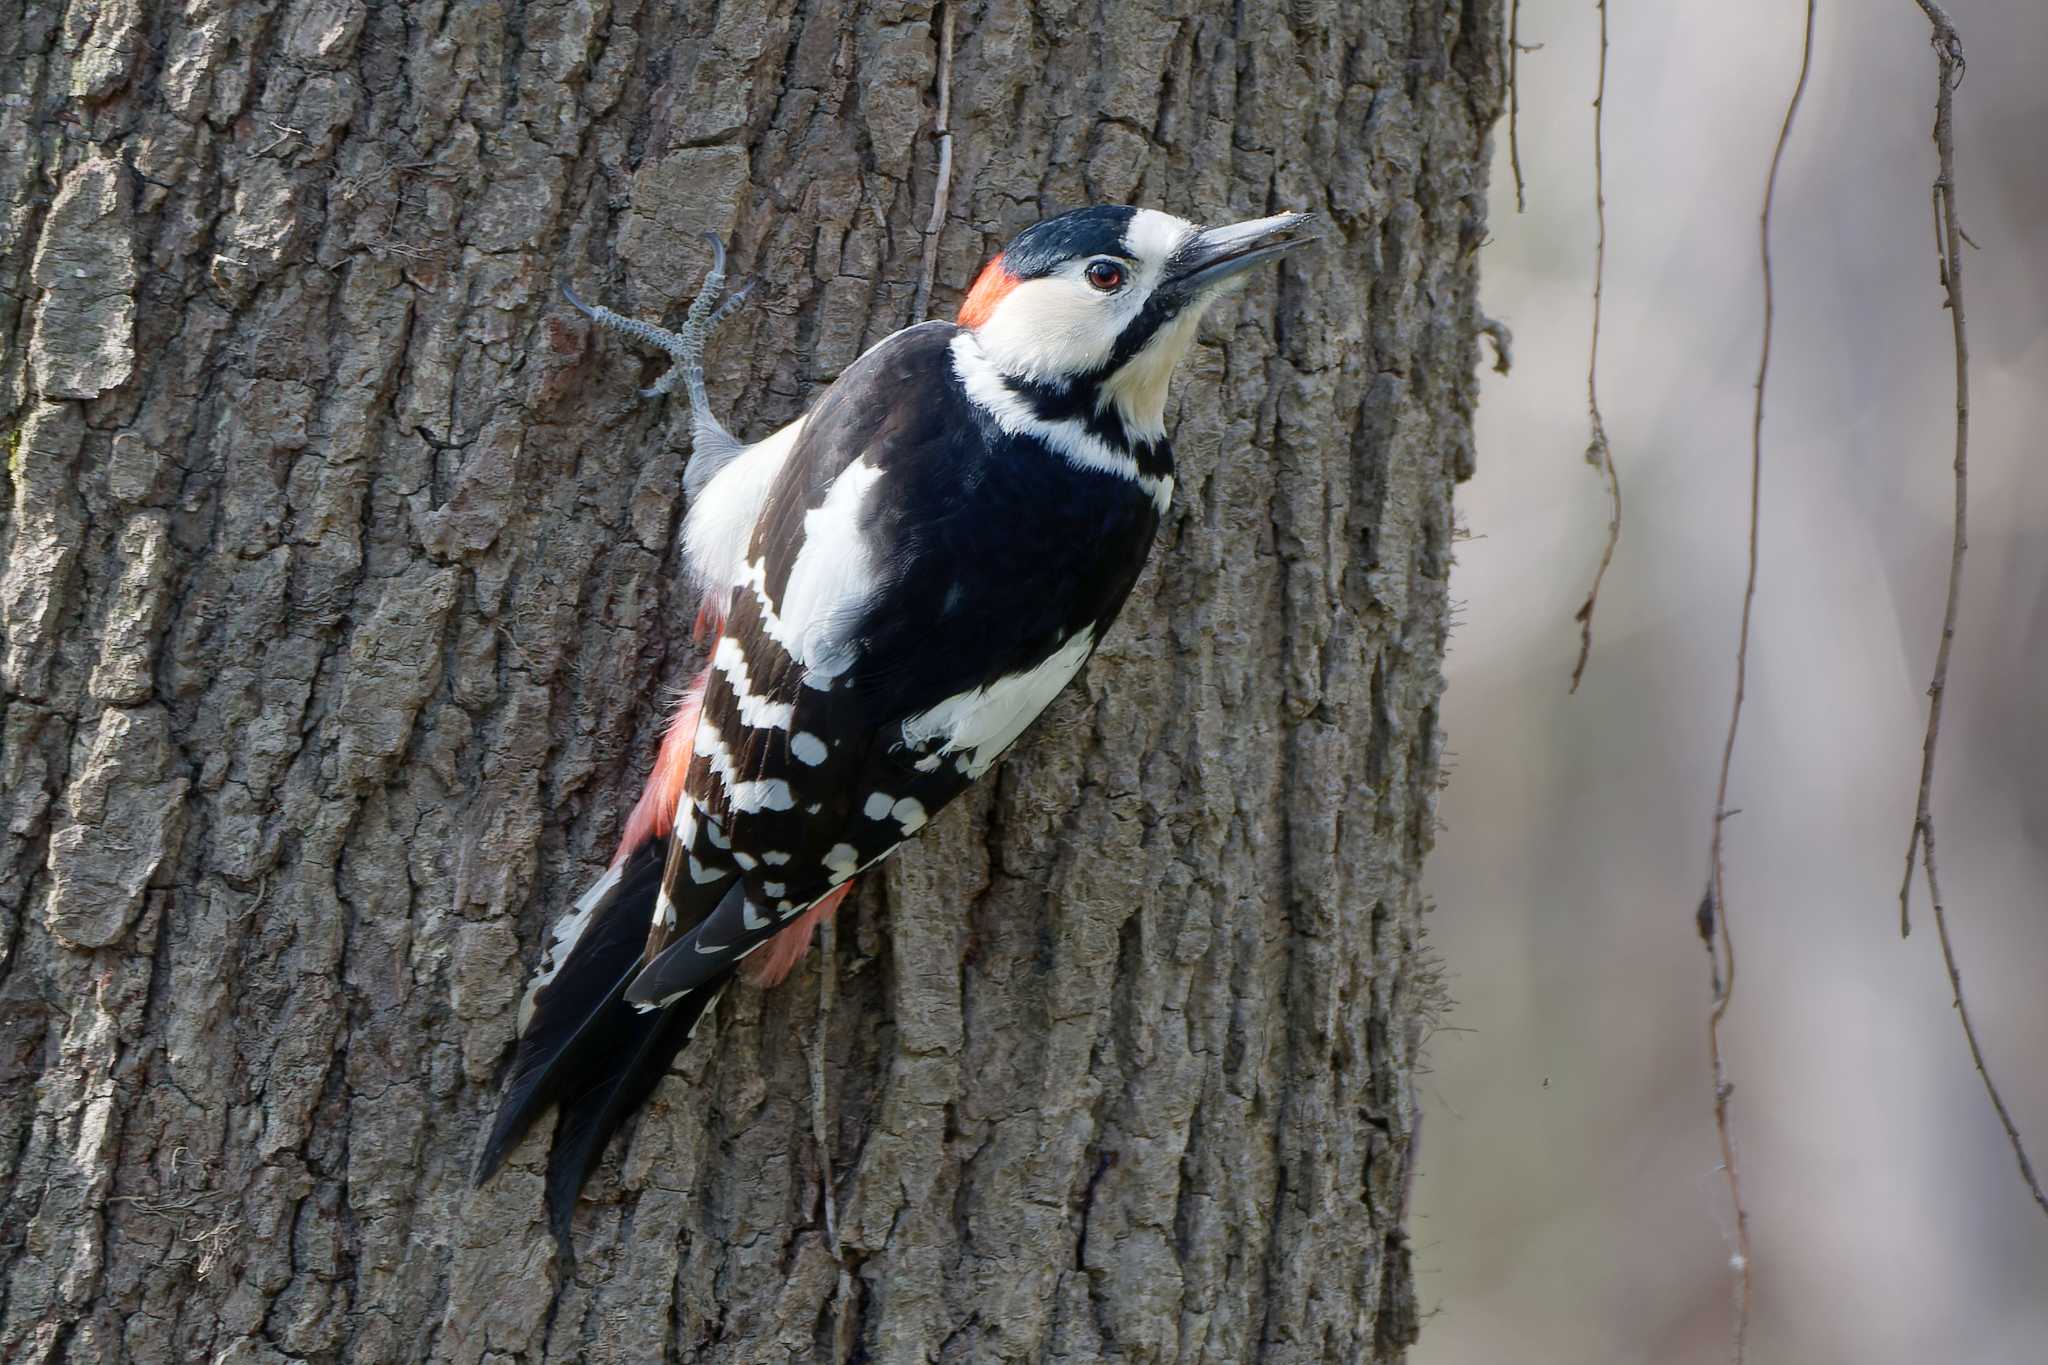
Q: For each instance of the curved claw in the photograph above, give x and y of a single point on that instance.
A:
(578, 304)
(732, 304)
(687, 349)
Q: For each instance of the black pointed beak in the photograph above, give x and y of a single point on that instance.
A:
(1215, 255)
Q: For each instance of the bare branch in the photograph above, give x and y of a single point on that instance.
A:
(1949, 239)
(942, 190)
(1713, 911)
(1598, 453)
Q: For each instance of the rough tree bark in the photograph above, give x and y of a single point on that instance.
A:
(339, 604)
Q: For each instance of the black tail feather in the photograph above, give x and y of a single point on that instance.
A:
(639, 1045)
(578, 1017)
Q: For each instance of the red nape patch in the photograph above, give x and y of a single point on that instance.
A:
(655, 815)
(994, 282)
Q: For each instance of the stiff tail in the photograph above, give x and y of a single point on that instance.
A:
(640, 1045)
(582, 1046)
(574, 1006)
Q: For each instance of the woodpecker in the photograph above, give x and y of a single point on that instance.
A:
(894, 586)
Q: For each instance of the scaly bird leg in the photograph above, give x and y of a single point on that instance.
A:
(715, 446)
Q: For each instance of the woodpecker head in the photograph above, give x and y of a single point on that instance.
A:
(1109, 297)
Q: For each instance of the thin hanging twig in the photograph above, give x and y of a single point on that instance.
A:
(1515, 99)
(942, 190)
(821, 1132)
(1598, 453)
(1948, 241)
(1713, 911)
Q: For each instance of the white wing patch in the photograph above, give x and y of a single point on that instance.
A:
(980, 724)
(830, 581)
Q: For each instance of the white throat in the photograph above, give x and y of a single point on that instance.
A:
(1138, 390)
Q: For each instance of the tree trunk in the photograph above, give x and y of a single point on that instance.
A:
(341, 603)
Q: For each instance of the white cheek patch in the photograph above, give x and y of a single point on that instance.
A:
(1052, 326)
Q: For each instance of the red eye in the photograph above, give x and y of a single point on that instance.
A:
(1105, 275)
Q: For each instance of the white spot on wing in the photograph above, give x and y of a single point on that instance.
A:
(766, 794)
(775, 889)
(763, 794)
(909, 813)
(701, 874)
(842, 862)
(807, 747)
(751, 917)
(745, 860)
(877, 807)
(775, 857)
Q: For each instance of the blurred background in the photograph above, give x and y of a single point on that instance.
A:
(1569, 1206)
